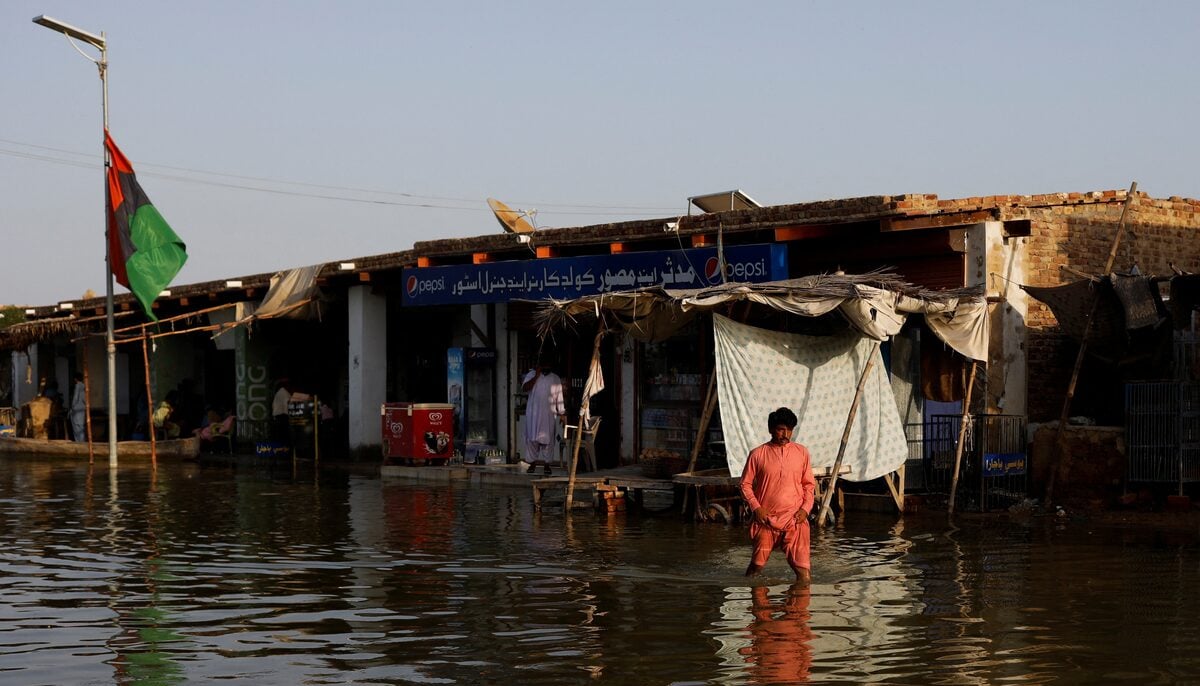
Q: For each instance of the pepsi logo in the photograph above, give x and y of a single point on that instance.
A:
(416, 286)
(712, 269)
(435, 416)
(735, 271)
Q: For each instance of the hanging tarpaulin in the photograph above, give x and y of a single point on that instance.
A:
(291, 294)
(759, 370)
(875, 304)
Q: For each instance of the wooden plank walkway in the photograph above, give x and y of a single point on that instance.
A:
(628, 478)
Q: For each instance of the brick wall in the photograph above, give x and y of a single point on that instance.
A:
(1078, 233)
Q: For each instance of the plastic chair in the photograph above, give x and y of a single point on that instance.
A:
(587, 447)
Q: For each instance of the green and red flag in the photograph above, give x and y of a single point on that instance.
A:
(144, 252)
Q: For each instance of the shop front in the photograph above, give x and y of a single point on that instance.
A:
(653, 393)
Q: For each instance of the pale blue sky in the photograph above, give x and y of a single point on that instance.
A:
(589, 113)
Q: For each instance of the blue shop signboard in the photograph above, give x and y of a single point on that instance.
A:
(1003, 464)
(564, 278)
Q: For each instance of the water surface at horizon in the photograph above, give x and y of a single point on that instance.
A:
(272, 576)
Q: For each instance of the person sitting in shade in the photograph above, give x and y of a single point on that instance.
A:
(216, 425)
(164, 423)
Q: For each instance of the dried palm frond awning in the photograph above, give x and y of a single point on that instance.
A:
(21, 336)
(875, 303)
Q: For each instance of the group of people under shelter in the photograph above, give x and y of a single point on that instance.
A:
(777, 482)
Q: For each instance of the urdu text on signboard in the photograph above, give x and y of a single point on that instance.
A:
(564, 278)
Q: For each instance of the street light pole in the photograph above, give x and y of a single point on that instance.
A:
(100, 43)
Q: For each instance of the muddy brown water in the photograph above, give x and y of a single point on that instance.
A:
(196, 574)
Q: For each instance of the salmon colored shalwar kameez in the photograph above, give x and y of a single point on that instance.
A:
(780, 478)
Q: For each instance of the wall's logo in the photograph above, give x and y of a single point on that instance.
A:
(396, 428)
(435, 416)
(735, 271)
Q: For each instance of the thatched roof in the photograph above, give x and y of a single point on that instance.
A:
(21, 336)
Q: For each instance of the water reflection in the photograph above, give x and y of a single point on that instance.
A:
(269, 574)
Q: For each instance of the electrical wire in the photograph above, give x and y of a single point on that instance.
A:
(611, 209)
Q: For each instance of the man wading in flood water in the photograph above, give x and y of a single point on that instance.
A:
(778, 484)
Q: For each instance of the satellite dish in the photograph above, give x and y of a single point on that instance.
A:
(512, 220)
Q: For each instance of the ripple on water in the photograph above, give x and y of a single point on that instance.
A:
(258, 576)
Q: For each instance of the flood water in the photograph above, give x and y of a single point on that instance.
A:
(195, 574)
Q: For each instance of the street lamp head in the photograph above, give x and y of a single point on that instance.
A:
(76, 33)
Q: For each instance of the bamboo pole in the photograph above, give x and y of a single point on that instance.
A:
(1060, 439)
(168, 320)
(837, 465)
(149, 400)
(705, 417)
(584, 403)
(709, 404)
(962, 434)
(87, 407)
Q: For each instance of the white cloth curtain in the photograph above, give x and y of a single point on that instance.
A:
(760, 370)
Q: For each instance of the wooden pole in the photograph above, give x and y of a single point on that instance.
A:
(962, 434)
(710, 402)
(584, 403)
(1060, 439)
(705, 417)
(87, 406)
(149, 400)
(837, 465)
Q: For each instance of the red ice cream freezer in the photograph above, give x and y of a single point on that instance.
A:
(418, 431)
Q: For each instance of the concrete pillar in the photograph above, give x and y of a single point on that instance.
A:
(627, 403)
(25, 378)
(367, 364)
(998, 262)
(251, 367)
(504, 380)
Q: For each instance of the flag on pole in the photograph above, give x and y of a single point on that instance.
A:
(144, 252)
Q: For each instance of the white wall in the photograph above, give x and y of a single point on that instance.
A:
(367, 364)
(999, 263)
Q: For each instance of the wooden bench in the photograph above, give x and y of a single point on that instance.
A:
(727, 507)
(582, 484)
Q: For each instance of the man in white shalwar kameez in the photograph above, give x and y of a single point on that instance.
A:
(545, 409)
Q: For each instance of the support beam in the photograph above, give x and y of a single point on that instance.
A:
(935, 221)
(367, 364)
(824, 512)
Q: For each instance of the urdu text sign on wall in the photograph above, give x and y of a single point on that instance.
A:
(565, 278)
